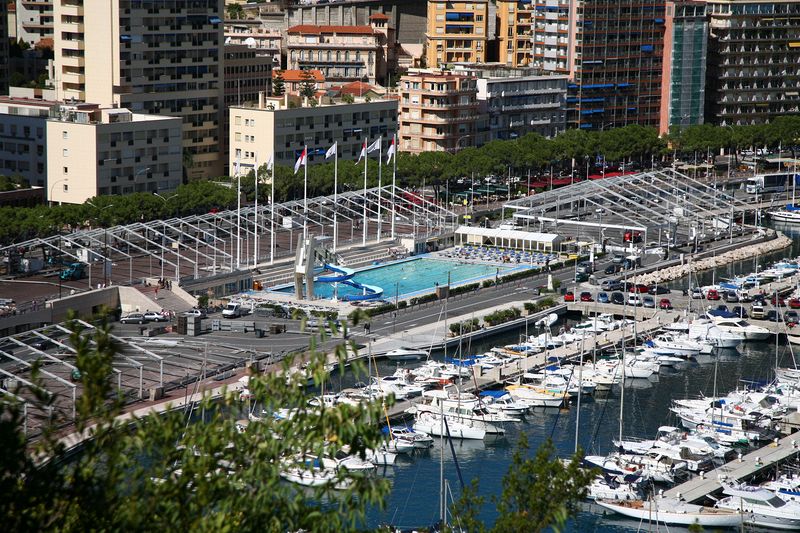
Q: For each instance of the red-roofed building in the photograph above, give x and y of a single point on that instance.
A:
(293, 79)
(343, 53)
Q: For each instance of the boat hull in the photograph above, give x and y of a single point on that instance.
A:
(649, 511)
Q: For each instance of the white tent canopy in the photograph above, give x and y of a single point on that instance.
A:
(508, 238)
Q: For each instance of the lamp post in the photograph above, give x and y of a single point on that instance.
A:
(50, 196)
(165, 200)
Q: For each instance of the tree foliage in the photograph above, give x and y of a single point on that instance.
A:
(278, 84)
(308, 85)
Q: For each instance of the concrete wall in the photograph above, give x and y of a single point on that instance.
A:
(131, 301)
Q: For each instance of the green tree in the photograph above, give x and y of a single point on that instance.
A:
(308, 85)
(235, 11)
(278, 84)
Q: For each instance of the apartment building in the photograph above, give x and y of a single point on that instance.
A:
(253, 33)
(293, 80)
(517, 101)
(753, 58)
(438, 111)
(3, 48)
(342, 53)
(158, 57)
(553, 30)
(248, 71)
(93, 151)
(457, 32)
(272, 127)
(34, 20)
(22, 138)
(684, 68)
(515, 21)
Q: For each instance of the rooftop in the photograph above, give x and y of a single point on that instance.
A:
(290, 75)
(318, 30)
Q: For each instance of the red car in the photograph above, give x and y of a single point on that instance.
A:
(781, 301)
(712, 294)
(665, 304)
(640, 288)
(569, 296)
(586, 297)
(794, 303)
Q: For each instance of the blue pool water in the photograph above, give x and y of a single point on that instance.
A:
(416, 275)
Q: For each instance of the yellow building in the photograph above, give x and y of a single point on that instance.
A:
(456, 32)
(514, 32)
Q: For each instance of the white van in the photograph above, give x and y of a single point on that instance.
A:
(232, 310)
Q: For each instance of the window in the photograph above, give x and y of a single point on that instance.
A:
(66, 171)
(64, 135)
(237, 137)
(237, 120)
(66, 186)
(65, 152)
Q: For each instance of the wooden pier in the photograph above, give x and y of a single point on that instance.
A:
(738, 470)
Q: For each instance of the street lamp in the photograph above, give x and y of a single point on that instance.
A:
(50, 197)
(458, 141)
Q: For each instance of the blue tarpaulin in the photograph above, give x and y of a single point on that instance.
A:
(494, 393)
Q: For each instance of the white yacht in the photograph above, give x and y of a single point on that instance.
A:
(673, 512)
(680, 345)
(432, 424)
(653, 465)
(706, 330)
(762, 507)
(748, 331)
(406, 354)
(612, 488)
(535, 396)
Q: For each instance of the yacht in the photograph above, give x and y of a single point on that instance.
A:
(679, 345)
(749, 332)
(432, 424)
(406, 354)
(462, 408)
(706, 330)
(761, 507)
(654, 465)
(612, 488)
(535, 396)
(501, 401)
(672, 511)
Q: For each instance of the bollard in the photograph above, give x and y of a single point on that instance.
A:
(758, 461)
(740, 457)
(775, 442)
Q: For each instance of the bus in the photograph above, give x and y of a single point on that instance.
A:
(764, 183)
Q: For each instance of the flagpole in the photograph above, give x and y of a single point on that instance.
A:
(380, 166)
(364, 215)
(272, 214)
(305, 193)
(394, 178)
(335, 196)
(255, 218)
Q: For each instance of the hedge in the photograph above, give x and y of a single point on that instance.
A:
(468, 326)
(501, 316)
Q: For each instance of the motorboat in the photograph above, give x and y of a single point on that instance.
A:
(381, 457)
(432, 424)
(672, 437)
(462, 408)
(653, 465)
(406, 354)
(762, 507)
(749, 332)
(612, 488)
(786, 486)
(671, 511)
(502, 401)
(535, 396)
(547, 321)
(680, 345)
(311, 472)
(638, 368)
(707, 330)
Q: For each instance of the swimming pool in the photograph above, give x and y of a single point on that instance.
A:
(413, 276)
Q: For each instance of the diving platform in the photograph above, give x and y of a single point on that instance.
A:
(738, 470)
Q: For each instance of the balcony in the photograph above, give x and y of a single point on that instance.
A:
(71, 61)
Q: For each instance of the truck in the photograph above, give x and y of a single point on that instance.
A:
(765, 183)
(73, 272)
(233, 310)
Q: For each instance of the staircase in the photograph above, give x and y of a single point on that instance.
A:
(164, 300)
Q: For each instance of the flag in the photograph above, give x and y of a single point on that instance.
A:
(331, 151)
(270, 162)
(390, 152)
(301, 161)
(374, 146)
(363, 153)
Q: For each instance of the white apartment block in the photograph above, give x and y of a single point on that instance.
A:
(270, 127)
(160, 57)
(93, 151)
(34, 20)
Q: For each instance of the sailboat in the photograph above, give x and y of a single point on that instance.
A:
(789, 214)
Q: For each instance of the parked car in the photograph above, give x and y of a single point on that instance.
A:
(635, 300)
(745, 298)
(585, 267)
(712, 294)
(586, 297)
(569, 296)
(613, 268)
(794, 303)
(133, 318)
(639, 288)
(611, 285)
(665, 304)
(773, 315)
(602, 298)
(791, 316)
(195, 312)
(697, 294)
(658, 289)
(780, 301)
(757, 312)
(152, 316)
(739, 311)
(617, 298)
(580, 277)
(731, 297)
(618, 259)
(648, 302)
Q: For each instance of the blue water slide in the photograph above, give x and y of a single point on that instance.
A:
(368, 292)
(339, 275)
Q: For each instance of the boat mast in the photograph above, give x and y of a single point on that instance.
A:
(580, 392)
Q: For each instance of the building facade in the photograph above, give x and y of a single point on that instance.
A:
(438, 111)
(553, 31)
(617, 64)
(457, 32)
(341, 53)
(253, 34)
(23, 145)
(519, 101)
(159, 57)
(4, 59)
(34, 20)
(94, 151)
(515, 21)
(684, 68)
(754, 53)
(272, 128)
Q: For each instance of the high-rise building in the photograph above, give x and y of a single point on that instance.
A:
(438, 111)
(154, 57)
(514, 32)
(457, 32)
(34, 20)
(684, 69)
(753, 58)
(3, 47)
(553, 29)
(616, 65)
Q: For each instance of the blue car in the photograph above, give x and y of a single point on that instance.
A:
(602, 298)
